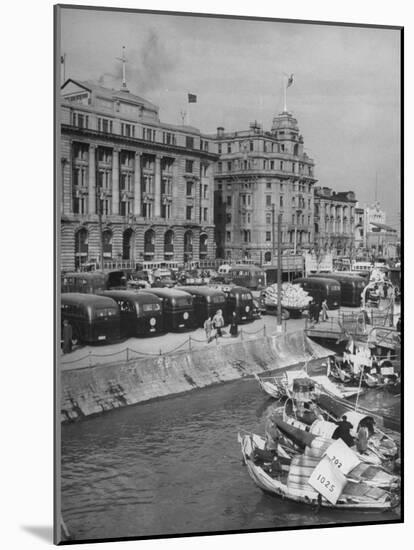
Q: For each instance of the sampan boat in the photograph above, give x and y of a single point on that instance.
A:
(292, 481)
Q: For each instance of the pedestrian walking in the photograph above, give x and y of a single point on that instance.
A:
(325, 310)
(67, 337)
(218, 323)
(234, 329)
(208, 327)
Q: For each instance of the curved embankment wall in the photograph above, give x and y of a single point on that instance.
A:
(92, 390)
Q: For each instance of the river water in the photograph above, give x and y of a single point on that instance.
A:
(174, 466)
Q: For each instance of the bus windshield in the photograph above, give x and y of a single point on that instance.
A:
(183, 301)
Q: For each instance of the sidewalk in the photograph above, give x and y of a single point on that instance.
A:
(169, 343)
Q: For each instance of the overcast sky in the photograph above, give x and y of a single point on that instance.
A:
(346, 91)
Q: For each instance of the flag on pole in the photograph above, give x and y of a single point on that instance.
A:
(192, 98)
(290, 81)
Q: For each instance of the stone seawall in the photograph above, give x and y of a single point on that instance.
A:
(93, 390)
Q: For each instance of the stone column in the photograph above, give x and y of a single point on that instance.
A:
(157, 189)
(115, 181)
(137, 185)
(92, 180)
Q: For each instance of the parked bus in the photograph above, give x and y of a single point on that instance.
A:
(321, 288)
(94, 319)
(249, 276)
(206, 302)
(90, 282)
(140, 312)
(177, 306)
(239, 300)
(351, 287)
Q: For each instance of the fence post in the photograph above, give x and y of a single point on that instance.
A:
(90, 358)
(264, 331)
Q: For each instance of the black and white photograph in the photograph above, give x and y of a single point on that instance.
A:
(229, 290)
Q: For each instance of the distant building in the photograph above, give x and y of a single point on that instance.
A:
(134, 188)
(334, 221)
(260, 174)
(381, 240)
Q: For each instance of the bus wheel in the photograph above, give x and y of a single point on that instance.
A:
(285, 314)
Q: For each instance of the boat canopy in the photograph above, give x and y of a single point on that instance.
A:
(323, 428)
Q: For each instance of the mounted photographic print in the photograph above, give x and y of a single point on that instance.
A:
(228, 274)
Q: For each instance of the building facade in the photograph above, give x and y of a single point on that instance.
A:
(259, 175)
(334, 221)
(381, 240)
(133, 188)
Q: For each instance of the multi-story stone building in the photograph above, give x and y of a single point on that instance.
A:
(133, 188)
(260, 174)
(334, 221)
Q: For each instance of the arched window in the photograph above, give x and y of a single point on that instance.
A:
(107, 244)
(296, 149)
(203, 246)
(128, 244)
(168, 244)
(81, 246)
(149, 244)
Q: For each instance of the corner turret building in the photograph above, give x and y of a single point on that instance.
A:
(260, 174)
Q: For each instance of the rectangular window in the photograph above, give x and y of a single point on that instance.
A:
(127, 130)
(249, 200)
(189, 166)
(189, 188)
(189, 142)
(228, 217)
(228, 236)
(268, 218)
(80, 120)
(248, 217)
(229, 167)
(189, 212)
(219, 148)
(205, 191)
(228, 200)
(219, 167)
(251, 146)
(205, 214)
(268, 200)
(272, 165)
(168, 138)
(229, 148)
(281, 164)
(268, 185)
(281, 200)
(268, 236)
(105, 125)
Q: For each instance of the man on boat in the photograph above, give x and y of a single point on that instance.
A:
(343, 431)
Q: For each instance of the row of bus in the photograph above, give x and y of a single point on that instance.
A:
(115, 314)
(336, 288)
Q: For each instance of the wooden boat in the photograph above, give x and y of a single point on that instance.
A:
(281, 387)
(305, 434)
(292, 481)
(384, 441)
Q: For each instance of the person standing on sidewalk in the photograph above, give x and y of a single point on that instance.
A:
(234, 329)
(67, 337)
(218, 323)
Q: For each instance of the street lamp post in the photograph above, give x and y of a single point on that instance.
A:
(279, 272)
